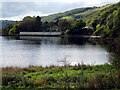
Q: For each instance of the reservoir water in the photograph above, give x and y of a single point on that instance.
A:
(46, 51)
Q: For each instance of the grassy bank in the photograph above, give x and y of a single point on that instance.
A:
(80, 76)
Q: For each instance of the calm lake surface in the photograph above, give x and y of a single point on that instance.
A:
(45, 51)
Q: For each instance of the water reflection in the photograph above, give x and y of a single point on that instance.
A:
(45, 51)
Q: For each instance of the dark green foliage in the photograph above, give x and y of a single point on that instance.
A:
(94, 24)
(5, 31)
(63, 25)
(77, 27)
(114, 48)
(14, 30)
(104, 81)
(88, 31)
(57, 18)
(108, 21)
(28, 24)
(38, 24)
(31, 24)
(46, 26)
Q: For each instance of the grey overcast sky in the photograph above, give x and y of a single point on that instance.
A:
(17, 9)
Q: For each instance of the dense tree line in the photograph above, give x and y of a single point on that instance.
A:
(106, 23)
(109, 26)
(34, 24)
(30, 24)
(5, 31)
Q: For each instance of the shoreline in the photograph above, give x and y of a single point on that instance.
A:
(80, 36)
(29, 66)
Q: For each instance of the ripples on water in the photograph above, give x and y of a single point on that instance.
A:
(46, 51)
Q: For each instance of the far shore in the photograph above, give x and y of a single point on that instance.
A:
(80, 36)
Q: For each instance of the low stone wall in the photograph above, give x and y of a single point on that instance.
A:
(40, 33)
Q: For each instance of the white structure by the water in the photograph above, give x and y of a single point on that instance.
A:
(39, 33)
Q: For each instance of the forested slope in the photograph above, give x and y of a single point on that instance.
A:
(105, 20)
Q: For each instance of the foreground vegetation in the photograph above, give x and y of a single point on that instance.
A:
(79, 76)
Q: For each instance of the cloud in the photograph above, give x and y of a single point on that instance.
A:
(17, 9)
(20, 17)
(0, 9)
(10, 9)
(64, 1)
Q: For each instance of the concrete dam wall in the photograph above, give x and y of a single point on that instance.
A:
(40, 33)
